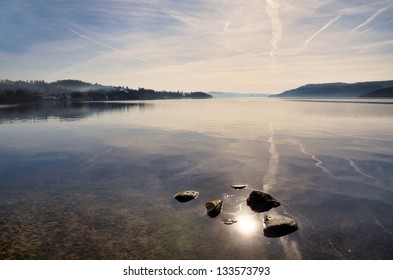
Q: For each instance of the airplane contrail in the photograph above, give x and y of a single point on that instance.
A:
(305, 44)
(105, 45)
(272, 9)
(371, 18)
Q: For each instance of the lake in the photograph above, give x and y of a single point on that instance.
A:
(96, 180)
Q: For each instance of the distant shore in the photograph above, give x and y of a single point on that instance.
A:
(376, 89)
(12, 92)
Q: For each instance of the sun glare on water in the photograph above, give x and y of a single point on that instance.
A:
(248, 224)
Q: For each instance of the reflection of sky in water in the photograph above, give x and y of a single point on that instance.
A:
(102, 185)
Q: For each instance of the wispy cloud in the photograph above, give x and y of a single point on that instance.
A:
(371, 18)
(226, 28)
(307, 42)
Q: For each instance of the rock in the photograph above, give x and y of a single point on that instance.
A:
(278, 225)
(230, 221)
(214, 207)
(186, 195)
(238, 187)
(261, 202)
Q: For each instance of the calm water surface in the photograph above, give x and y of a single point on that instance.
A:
(96, 180)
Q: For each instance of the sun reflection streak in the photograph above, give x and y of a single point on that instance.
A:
(248, 224)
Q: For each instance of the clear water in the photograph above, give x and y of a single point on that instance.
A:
(96, 180)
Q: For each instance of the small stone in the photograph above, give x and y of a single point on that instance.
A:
(230, 221)
(186, 195)
(278, 225)
(239, 187)
(261, 202)
(213, 208)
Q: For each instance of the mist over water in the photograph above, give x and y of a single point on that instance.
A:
(96, 180)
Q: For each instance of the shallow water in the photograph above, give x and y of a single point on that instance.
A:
(96, 180)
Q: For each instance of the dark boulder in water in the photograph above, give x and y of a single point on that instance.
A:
(261, 202)
(213, 208)
(186, 195)
(276, 225)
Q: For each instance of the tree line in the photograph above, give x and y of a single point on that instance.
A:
(38, 90)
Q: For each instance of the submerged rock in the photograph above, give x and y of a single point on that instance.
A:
(230, 221)
(214, 207)
(278, 225)
(186, 195)
(238, 187)
(261, 202)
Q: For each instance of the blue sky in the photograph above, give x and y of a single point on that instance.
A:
(219, 45)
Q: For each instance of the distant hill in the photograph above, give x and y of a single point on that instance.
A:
(380, 93)
(76, 85)
(336, 90)
(34, 91)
